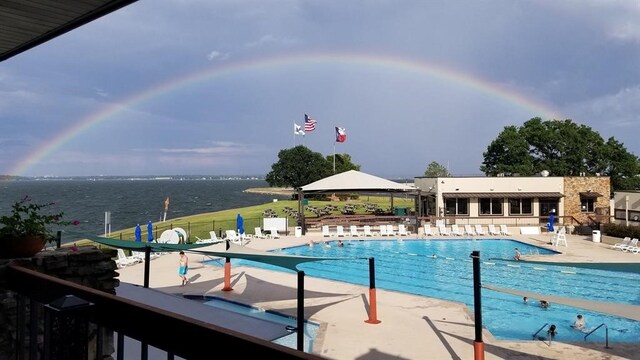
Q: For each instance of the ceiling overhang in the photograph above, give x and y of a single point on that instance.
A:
(27, 24)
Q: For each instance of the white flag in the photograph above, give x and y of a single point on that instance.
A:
(297, 129)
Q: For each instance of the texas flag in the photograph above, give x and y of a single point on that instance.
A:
(341, 134)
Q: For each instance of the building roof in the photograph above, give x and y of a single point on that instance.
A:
(518, 195)
(355, 181)
(27, 24)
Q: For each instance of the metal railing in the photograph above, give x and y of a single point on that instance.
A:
(606, 334)
(39, 297)
(536, 333)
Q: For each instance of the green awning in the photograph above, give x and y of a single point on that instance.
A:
(221, 249)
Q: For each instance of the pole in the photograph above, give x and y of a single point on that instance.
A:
(478, 345)
(334, 157)
(300, 313)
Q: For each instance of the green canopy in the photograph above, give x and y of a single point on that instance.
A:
(220, 249)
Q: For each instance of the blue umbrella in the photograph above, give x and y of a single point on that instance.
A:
(138, 233)
(240, 224)
(149, 232)
(551, 221)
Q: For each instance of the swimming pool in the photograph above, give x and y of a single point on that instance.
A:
(291, 340)
(409, 266)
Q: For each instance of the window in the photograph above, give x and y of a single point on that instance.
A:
(457, 206)
(490, 206)
(548, 204)
(586, 204)
(520, 206)
(634, 216)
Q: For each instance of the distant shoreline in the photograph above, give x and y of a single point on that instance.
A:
(271, 191)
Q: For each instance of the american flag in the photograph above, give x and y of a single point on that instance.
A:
(309, 123)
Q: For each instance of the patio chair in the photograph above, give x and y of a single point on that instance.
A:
(504, 230)
(442, 229)
(325, 231)
(353, 231)
(340, 231)
(123, 260)
(383, 230)
(493, 230)
(468, 230)
(455, 230)
(238, 239)
(402, 230)
(257, 233)
(633, 246)
(390, 230)
(427, 230)
(479, 230)
(367, 230)
(274, 233)
(621, 244)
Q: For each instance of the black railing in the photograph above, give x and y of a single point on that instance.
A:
(41, 295)
(606, 334)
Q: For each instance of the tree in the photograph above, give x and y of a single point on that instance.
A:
(564, 148)
(343, 163)
(435, 169)
(297, 167)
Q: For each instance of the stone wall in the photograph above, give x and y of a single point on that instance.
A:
(86, 265)
(574, 185)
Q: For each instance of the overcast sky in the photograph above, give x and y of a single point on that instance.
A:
(214, 87)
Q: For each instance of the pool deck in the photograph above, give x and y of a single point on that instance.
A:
(411, 327)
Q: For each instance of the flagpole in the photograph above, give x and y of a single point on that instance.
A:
(334, 157)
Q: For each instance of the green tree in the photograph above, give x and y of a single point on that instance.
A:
(298, 166)
(343, 163)
(564, 148)
(435, 169)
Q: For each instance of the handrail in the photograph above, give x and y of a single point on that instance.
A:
(536, 333)
(606, 334)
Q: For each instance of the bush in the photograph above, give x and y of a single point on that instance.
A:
(621, 231)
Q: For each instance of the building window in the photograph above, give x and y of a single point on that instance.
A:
(490, 206)
(520, 206)
(586, 204)
(546, 205)
(620, 214)
(457, 206)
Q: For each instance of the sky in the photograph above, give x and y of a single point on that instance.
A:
(205, 87)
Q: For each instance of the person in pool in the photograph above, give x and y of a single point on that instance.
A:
(579, 323)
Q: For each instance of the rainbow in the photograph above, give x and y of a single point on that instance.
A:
(348, 59)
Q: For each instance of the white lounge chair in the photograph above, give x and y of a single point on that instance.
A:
(633, 246)
(390, 230)
(621, 244)
(383, 230)
(493, 230)
(426, 230)
(353, 231)
(274, 233)
(455, 230)
(468, 230)
(325, 231)
(402, 230)
(123, 260)
(504, 230)
(442, 229)
(257, 233)
(367, 231)
(213, 238)
(340, 231)
(234, 237)
(479, 230)
(142, 255)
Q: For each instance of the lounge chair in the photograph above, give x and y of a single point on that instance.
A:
(442, 229)
(142, 255)
(383, 230)
(234, 237)
(390, 230)
(427, 230)
(257, 233)
(504, 230)
(213, 238)
(353, 231)
(367, 230)
(621, 244)
(492, 230)
(455, 230)
(325, 231)
(402, 230)
(340, 231)
(468, 230)
(479, 230)
(633, 246)
(274, 233)
(123, 260)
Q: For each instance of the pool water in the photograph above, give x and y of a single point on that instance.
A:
(443, 269)
(291, 340)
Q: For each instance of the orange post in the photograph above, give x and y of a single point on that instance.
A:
(227, 275)
(373, 308)
(478, 350)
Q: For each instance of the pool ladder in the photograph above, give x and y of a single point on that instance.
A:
(606, 334)
(543, 326)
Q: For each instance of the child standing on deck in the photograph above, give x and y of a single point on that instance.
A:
(184, 268)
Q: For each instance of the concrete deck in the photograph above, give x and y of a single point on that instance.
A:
(411, 327)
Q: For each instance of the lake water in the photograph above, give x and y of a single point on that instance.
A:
(131, 200)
